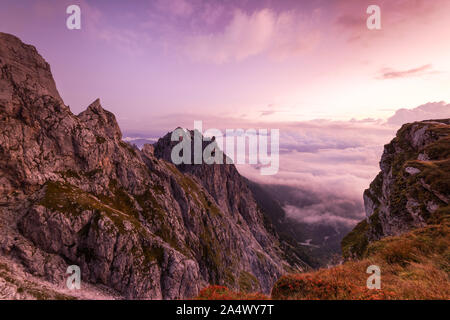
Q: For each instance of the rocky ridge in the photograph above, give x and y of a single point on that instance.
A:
(72, 192)
(412, 189)
(406, 233)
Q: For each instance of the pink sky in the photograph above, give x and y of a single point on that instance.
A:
(249, 60)
(310, 68)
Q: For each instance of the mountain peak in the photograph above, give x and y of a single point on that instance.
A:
(24, 70)
(96, 106)
(412, 189)
(101, 120)
(74, 193)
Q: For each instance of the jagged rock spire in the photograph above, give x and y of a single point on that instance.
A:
(101, 120)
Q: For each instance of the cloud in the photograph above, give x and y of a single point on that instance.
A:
(351, 21)
(322, 213)
(179, 8)
(432, 110)
(267, 113)
(243, 37)
(324, 168)
(279, 35)
(388, 73)
(397, 18)
(126, 40)
(326, 165)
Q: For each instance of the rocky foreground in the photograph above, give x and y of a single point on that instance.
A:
(73, 193)
(412, 189)
(406, 233)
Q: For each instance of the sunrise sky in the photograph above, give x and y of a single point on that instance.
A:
(310, 68)
(261, 60)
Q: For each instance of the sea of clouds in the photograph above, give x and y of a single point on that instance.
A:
(325, 165)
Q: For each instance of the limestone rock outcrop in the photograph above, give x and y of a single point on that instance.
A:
(73, 193)
(412, 189)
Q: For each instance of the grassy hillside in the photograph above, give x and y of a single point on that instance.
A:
(415, 265)
(407, 232)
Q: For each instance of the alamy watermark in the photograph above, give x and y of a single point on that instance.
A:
(73, 22)
(74, 280)
(374, 20)
(236, 148)
(374, 281)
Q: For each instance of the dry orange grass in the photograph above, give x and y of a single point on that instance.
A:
(415, 265)
(223, 293)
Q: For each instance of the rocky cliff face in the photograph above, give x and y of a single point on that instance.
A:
(73, 193)
(235, 196)
(412, 189)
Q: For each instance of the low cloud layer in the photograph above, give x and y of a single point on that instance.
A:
(324, 169)
(324, 165)
(432, 110)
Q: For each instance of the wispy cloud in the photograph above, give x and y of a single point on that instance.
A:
(127, 40)
(351, 21)
(428, 111)
(264, 31)
(388, 73)
(180, 8)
